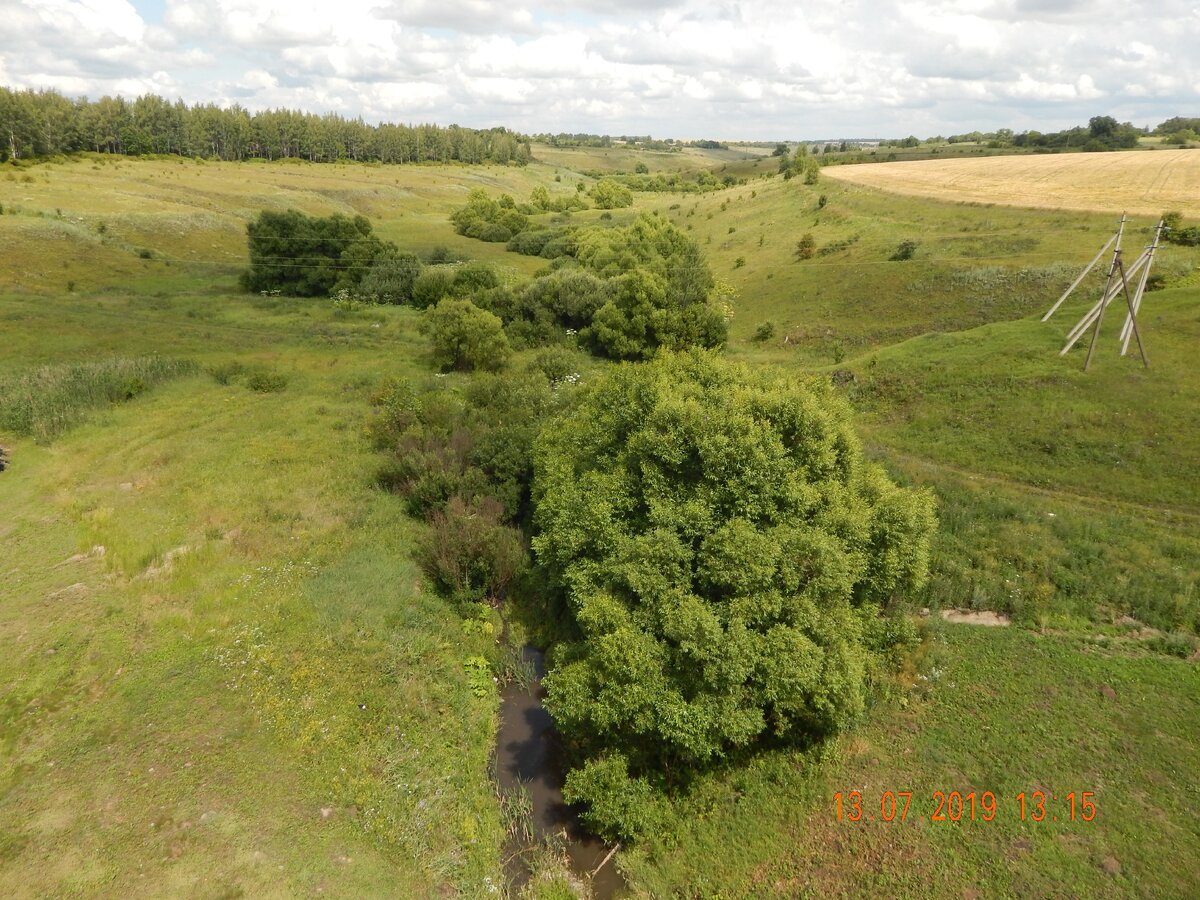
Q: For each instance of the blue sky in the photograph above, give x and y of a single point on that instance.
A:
(727, 69)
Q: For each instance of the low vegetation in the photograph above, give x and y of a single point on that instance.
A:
(222, 543)
(45, 402)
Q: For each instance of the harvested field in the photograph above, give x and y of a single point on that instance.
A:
(1141, 182)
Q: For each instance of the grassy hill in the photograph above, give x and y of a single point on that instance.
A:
(225, 675)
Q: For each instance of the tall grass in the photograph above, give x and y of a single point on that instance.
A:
(45, 402)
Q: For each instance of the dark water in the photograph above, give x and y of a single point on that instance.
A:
(527, 751)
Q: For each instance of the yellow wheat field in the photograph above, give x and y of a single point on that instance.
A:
(1142, 182)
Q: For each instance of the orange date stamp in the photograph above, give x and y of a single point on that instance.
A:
(967, 806)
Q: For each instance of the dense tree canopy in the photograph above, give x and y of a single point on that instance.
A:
(309, 255)
(487, 218)
(610, 194)
(727, 558)
(44, 123)
(466, 337)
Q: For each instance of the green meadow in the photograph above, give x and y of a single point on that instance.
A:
(224, 674)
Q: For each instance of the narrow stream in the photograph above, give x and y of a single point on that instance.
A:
(528, 753)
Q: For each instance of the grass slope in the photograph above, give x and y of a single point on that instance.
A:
(282, 707)
(247, 690)
(1009, 711)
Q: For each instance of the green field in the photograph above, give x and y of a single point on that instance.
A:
(225, 675)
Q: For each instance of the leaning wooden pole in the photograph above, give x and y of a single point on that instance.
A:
(1137, 334)
(1075, 283)
(1110, 293)
(1130, 319)
(1120, 268)
(1107, 284)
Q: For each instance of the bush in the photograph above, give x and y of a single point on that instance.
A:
(556, 364)
(469, 554)
(764, 332)
(488, 219)
(266, 382)
(474, 277)
(466, 337)
(1174, 231)
(442, 255)
(724, 551)
(806, 247)
(548, 243)
(473, 446)
(392, 277)
(227, 373)
(610, 194)
(905, 250)
(431, 286)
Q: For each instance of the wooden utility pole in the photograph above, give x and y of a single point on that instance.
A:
(1130, 326)
(1117, 282)
(1116, 267)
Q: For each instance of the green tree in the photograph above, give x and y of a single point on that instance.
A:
(308, 255)
(610, 194)
(466, 337)
(728, 561)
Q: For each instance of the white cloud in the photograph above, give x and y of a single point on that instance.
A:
(738, 68)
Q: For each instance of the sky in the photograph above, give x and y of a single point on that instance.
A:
(713, 69)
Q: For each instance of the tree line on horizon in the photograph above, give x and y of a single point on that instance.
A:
(1100, 133)
(46, 123)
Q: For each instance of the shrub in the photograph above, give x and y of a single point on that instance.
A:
(392, 277)
(764, 332)
(723, 551)
(265, 381)
(1174, 231)
(473, 277)
(806, 247)
(475, 445)
(490, 232)
(431, 286)
(227, 373)
(468, 553)
(556, 364)
(487, 218)
(905, 250)
(442, 255)
(466, 337)
(610, 194)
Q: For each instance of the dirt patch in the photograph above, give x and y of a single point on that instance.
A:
(1108, 692)
(975, 617)
(168, 562)
(96, 552)
(70, 592)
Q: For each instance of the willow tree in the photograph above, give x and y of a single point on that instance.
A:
(731, 566)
